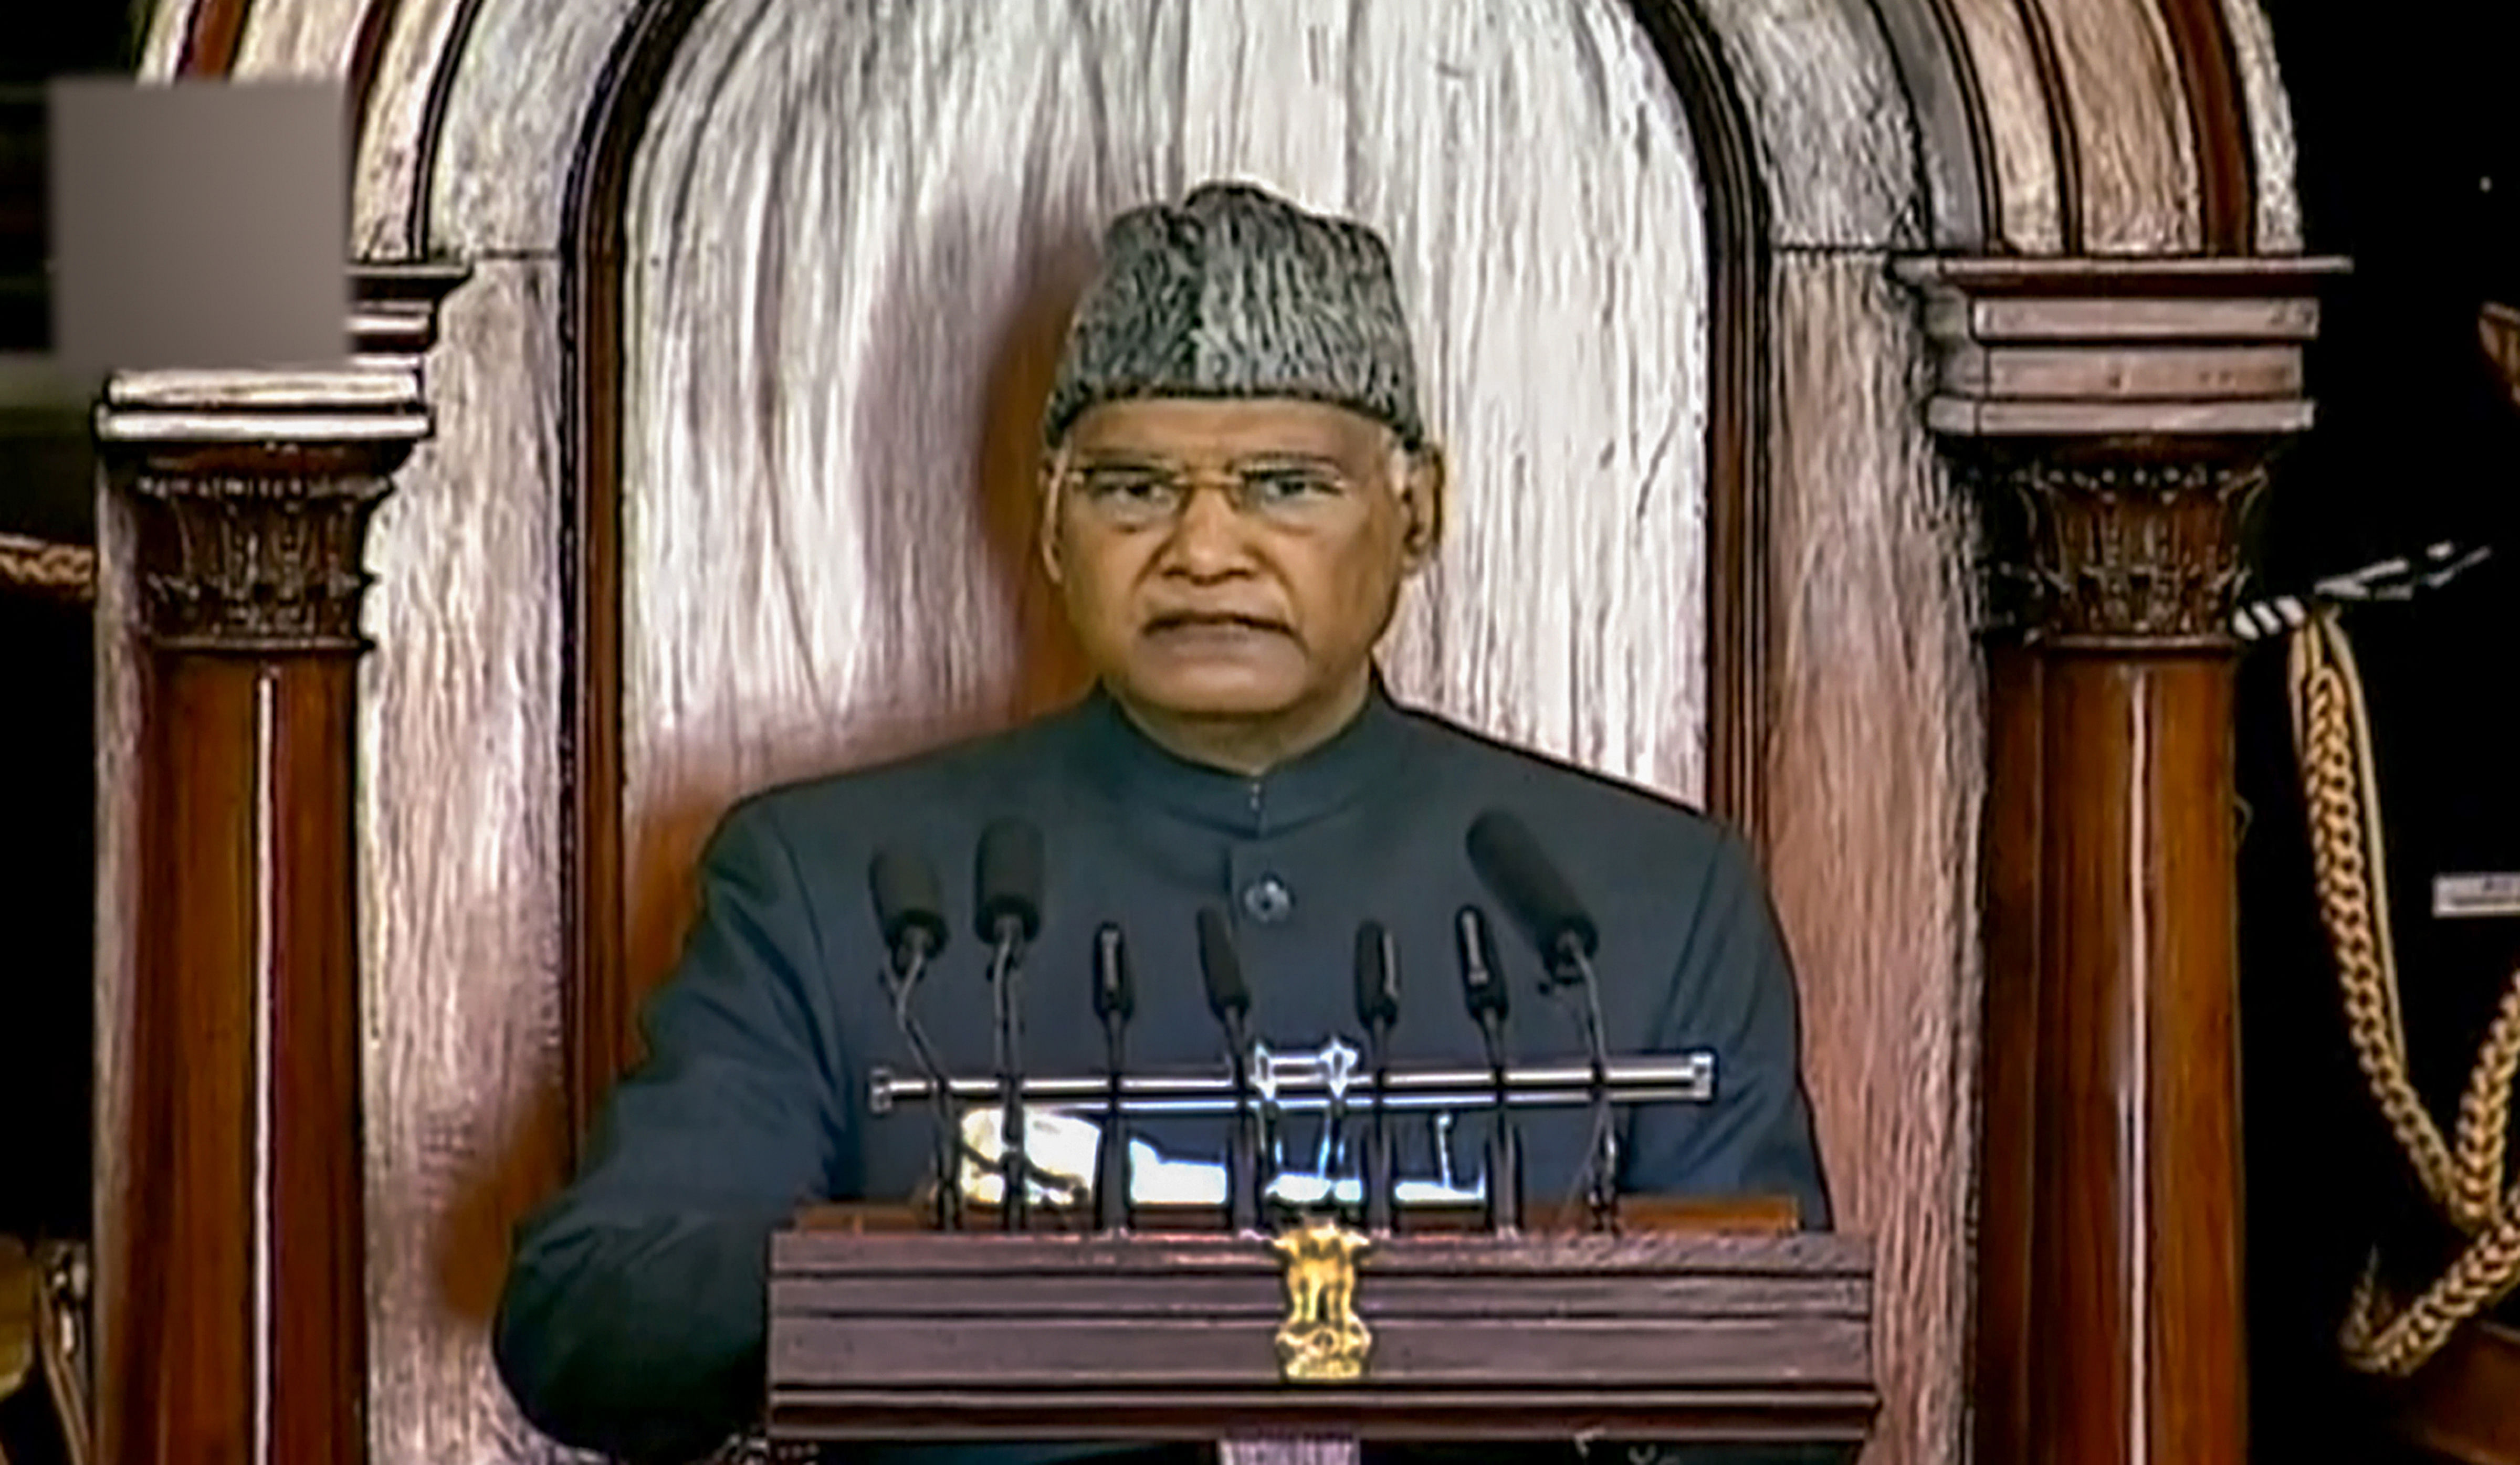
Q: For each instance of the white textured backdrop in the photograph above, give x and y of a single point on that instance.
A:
(858, 225)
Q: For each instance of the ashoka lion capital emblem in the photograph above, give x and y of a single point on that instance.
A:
(1321, 1340)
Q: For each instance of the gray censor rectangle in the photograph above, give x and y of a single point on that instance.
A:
(198, 225)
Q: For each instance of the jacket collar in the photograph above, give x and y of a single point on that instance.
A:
(1137, 770)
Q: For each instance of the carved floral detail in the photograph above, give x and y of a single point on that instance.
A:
(255, 563)
(2143, 547)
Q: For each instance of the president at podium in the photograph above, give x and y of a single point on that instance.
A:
(1236, 484)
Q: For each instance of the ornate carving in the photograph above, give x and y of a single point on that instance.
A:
(255, 563)
(1321, 1340)
(2138, 547)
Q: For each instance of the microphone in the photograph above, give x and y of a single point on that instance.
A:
(1231, 1000)
(1483, 991)
(907, 908)
(1008, 915)
(1511, 866)
(1378, 1007)
(911, 914)
(1115, 1002)
(1517, 871)
(1010, 882)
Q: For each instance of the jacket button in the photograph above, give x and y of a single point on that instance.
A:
(1267, 899)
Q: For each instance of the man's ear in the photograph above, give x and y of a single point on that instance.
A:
(1046, 500)
(1423, 488)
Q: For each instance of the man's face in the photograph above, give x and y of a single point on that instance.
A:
(1234, 559)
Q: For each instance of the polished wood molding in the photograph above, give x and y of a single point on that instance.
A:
(235, 1310)
(2218, 123)
(2116, 420)
(1739, 614)
(1638, 1336)
(596, 996)
(2078, 348)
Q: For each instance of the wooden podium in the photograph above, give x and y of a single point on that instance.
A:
(1674, 1330)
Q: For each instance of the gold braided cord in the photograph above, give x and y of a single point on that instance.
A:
(2347, 864)
(68, 570)
(2485, 1109)
(2483, 1274)
(2331, 731)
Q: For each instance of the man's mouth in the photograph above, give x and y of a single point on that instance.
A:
(1187, 624)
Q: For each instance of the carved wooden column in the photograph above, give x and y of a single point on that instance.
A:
(2117, 419)
(239, 1315)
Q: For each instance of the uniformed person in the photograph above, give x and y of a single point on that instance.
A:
(1236, 484)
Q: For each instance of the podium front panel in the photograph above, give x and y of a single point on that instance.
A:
(1701, 1337)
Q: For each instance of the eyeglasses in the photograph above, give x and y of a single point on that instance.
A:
(1135, 495)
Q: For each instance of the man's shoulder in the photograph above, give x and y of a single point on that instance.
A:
(1548, 792)
(972, 772)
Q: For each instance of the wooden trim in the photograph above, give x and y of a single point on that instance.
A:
(1150, 1336)
(2217, 116)
(1980, 126)
(211, 37)
(1741, 692)
(433, 128)
(2003, 1326)
(367, 57)
(2063, 137)
(597, 1007)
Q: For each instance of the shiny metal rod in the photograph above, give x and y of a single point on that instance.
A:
(1671, 1079)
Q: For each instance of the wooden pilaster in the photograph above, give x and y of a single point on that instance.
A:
(235, 1311)
(2117, 418)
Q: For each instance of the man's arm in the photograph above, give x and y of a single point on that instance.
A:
(1734, 991)
(633, 1316)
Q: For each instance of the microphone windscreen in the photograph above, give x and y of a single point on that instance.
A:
(1009, 878)
(906, 898)
(1511, 866)
(1227, 995)
(1377, 977)
(1482, 988)
(1114, 996)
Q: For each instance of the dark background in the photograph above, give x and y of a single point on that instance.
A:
(2410, 165)
(2409, 162)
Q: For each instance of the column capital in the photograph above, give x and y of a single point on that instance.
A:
(2128, 545)
(252, 490)
(2117, 418)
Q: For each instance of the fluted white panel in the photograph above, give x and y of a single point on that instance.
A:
(857, 225)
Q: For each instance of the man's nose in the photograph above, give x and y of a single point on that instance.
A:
(1207, 539)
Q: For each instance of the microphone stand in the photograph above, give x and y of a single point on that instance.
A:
(1381, 1210)
(1230, 998)
(902, 976)
(1378, 1009)
(1241, 1150)
(1601, 1192)
(1505, 1153)
(1484, 989)
(1005, 973)
(1113, 1001)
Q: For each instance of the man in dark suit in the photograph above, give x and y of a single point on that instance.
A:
(1236, 485)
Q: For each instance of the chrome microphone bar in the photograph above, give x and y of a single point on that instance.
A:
(1309, 1085)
